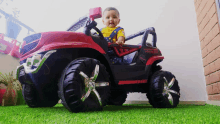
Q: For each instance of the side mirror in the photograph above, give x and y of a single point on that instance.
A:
(95, 13)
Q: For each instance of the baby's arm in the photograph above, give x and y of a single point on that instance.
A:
(121, 37)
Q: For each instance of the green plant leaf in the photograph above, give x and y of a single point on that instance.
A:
(7, 78)
(3, 82)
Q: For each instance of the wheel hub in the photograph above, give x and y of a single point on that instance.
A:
(167, 90)
(90, 84)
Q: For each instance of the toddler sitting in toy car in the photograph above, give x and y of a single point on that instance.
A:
(112, 33)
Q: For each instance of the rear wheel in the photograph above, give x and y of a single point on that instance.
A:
(84, 85)
(164, 91)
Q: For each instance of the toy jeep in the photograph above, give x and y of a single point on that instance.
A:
(76, 68)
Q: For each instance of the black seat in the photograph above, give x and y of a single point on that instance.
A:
(132, 57)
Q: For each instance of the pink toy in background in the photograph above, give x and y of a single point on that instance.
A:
(15, 50)
(2, 92)
(9, 48)
(95, 13)
(5, 46)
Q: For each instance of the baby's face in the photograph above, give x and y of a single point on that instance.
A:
(110, 18)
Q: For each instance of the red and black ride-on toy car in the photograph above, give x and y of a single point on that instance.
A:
(75, 67)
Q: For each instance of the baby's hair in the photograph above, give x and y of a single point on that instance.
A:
(111, 8)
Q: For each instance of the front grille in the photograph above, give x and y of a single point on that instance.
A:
(29, 47)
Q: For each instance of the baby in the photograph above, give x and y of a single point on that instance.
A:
(112, 33)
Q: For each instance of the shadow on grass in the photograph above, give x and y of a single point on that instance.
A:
(111, 108)
(126, 107)
(147, 107)
(61, 109)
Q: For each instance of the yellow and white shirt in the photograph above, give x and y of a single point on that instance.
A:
(107, 32)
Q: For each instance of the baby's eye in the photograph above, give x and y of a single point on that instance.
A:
(107, 17)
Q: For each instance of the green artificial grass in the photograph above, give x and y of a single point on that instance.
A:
(126, 114)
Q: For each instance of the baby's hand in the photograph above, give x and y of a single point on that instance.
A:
(120, 40)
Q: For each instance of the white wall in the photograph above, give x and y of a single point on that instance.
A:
(2, 23)
(174, 21)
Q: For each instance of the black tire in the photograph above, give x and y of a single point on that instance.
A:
(32, 99)
(30, 95)
(155, 94)
(50, 96)
(117, 98)
(72, 86)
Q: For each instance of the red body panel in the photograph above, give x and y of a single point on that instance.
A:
(132, 82)
(62, 39)
(154, 58)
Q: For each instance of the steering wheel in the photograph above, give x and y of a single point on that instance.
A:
(100, 33)
(92, 25)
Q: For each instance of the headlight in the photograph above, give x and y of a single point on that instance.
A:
(36, 59)
(34, 63)
(28, 62)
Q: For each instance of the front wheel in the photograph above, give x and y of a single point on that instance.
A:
(164, 91)
(30, 95)
(84, 85)
(33, 100)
